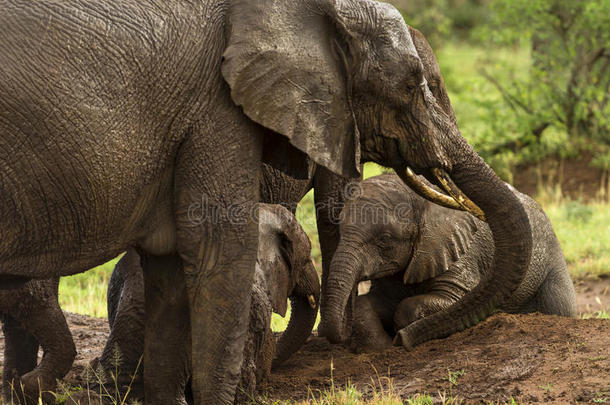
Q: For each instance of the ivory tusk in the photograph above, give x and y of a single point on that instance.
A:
(312, 301)
(428, 192)
(460, 198)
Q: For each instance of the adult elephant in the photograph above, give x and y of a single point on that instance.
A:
(142, 123)
(284, 270)
(126, 312)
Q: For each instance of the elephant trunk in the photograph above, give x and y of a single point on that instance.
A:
(304, 303)
(512, 238)
(344, 275)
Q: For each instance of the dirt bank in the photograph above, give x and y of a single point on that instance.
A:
(532, 358)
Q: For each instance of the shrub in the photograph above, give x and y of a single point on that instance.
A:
(566, 86)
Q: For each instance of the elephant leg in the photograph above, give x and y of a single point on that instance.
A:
(124, 348)
(368, 332)
(46, 322)
(420, 306)
(217, 187)
(166, 355)
(20, 356)
(556, 295)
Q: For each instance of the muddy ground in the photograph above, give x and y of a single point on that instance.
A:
(533, 358)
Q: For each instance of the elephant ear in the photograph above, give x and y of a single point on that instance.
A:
(285, 67)
(444, 236)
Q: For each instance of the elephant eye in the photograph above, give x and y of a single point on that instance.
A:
(385, 239)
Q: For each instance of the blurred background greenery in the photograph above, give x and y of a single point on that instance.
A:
(529, 81)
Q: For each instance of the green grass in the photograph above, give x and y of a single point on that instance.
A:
(584, 234)
(85, 293)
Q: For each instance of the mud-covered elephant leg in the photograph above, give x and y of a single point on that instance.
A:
(126, 316)
(437, 294)
(117, 281)
(217, 238)
(20, 356)
(47, 324)
(418, 307)
(166, 363)
(368, 331)
(555, 296)
(259, 347)
(329, 196)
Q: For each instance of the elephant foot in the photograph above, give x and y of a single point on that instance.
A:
(403, 338)
(35, 386)
(125, 387)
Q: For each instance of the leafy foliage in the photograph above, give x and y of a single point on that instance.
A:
(443, 20)
(566, 86)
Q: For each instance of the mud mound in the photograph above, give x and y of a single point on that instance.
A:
(532, 358)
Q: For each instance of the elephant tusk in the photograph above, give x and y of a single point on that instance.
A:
(312, 301)
(428, 192)
(460, 198)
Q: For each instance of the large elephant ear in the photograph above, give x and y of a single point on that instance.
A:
(445, 235)
(283, 68)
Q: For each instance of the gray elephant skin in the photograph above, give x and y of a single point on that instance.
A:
(284, 270)
(32, 313)
(144, 124)
(31, 317)
(422, 258)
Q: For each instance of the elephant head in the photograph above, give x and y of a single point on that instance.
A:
(284, 258)
(347, 81)
(389, 230)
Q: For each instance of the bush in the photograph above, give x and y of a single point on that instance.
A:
(565, 88)
(442, 21)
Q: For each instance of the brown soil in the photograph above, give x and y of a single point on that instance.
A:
(577, 179)
(593, 294)
(532, 358)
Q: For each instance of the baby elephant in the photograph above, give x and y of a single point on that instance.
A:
(284, 271)
(422, 258)
(31, 317)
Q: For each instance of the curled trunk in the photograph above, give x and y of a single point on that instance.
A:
(342, 280)
(511, 231)
(304, 302)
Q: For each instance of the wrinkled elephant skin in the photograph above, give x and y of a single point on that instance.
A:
(421, 258)
(142, 124)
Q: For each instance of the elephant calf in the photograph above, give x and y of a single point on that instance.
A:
(31, 317)
(283, 270)
(422, 258)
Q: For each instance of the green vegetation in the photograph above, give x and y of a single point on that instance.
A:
(533, 80)
(85, 293)
(584, 233)
(565, 87)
